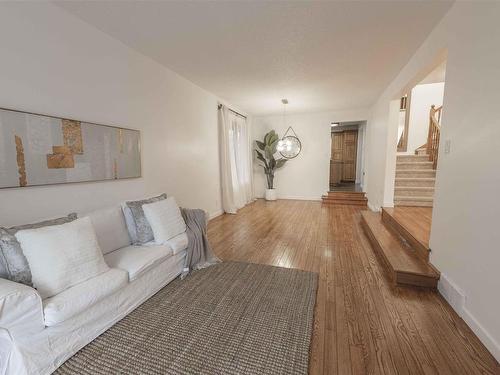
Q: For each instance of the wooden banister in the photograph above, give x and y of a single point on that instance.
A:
(434, 134)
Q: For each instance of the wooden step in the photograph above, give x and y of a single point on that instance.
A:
(416, 173)
(414, 191)
(415, 181)
(419, 165)
(414, 201)
(346, 202)
(405, 267)
(345, 198)
(346, 195)
(412, 158)
(413, 225)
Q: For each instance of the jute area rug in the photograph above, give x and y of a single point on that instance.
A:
(231, 318)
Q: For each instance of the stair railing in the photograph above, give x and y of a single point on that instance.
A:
(434, 134)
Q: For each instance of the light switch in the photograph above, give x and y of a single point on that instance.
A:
(447, 146)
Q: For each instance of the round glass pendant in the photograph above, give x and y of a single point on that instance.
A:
(290, 146)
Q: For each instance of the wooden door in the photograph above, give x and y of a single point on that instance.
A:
(336, 158)
(349, 153)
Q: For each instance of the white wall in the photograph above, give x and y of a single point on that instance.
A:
(360, 157)
(307, 176)
(53, 63)
(422, 97)
(465, 235)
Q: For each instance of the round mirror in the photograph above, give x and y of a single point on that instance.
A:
(289, 146)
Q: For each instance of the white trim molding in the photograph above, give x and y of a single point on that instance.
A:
(373, 207)
(457, 300)
(481, 332)
(213, 215)
(452, 293)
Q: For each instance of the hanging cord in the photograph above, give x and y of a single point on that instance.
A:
(293, 131)
(284, 114)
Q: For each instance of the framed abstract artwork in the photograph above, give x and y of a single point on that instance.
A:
(43, 150)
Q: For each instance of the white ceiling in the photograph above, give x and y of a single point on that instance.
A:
(320, 55)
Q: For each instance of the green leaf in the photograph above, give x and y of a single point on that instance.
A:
(266, 138)
(260, 156)
(270, 137)
(262, 159)
(272, 163)
(274, 146)
(260, 145)
(274, 138)
(280, 162)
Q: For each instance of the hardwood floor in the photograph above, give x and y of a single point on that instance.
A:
(363, 324)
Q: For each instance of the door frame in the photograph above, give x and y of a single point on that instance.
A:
(348, 128)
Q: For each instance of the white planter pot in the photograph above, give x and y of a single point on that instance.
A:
(271, 195)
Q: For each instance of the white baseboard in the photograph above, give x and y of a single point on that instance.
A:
(481, 332)
(452, 293)
(213, 215)
(457, 300)
(373, 208)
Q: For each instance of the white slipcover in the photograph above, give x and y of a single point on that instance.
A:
(79, 298)
(20, 309)
(42, 352)
(178, 243)
(27, 346)
(137, 260)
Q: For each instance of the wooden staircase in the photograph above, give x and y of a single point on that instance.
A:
(345, 198)
(415, 179)
(404, 253)
(416, 174)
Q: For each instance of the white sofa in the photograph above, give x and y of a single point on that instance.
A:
(37, 336)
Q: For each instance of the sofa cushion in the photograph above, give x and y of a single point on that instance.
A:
(165, 219)
(62, 256)
(79, 298)
(13, 263)
(137, 224)
(110, 229)
(178, 243)
(137, 260)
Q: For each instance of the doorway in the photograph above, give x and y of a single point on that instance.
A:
(344, 157)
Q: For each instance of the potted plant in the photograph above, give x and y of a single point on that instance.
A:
(268, 148)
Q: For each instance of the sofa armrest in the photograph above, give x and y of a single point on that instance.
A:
(21, 309)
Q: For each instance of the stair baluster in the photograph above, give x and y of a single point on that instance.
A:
(434, 134)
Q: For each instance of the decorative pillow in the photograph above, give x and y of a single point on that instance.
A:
(110, 229)
(61, 256)
(13, 263)
(165, 219)
(138, 227)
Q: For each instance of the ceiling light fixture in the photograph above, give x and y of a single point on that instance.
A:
(289, 146)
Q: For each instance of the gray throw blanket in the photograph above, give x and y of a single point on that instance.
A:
(199, 252)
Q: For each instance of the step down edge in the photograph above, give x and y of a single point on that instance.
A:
(401, 277)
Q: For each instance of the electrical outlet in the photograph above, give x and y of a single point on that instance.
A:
(447, 146)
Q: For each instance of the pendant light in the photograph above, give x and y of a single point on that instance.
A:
(289, 145)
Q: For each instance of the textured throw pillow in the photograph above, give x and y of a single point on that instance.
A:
(13, 263)
(138, 227)
(61, 256)
(165, 219)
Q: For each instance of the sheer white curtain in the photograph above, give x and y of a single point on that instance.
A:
(236, 160)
